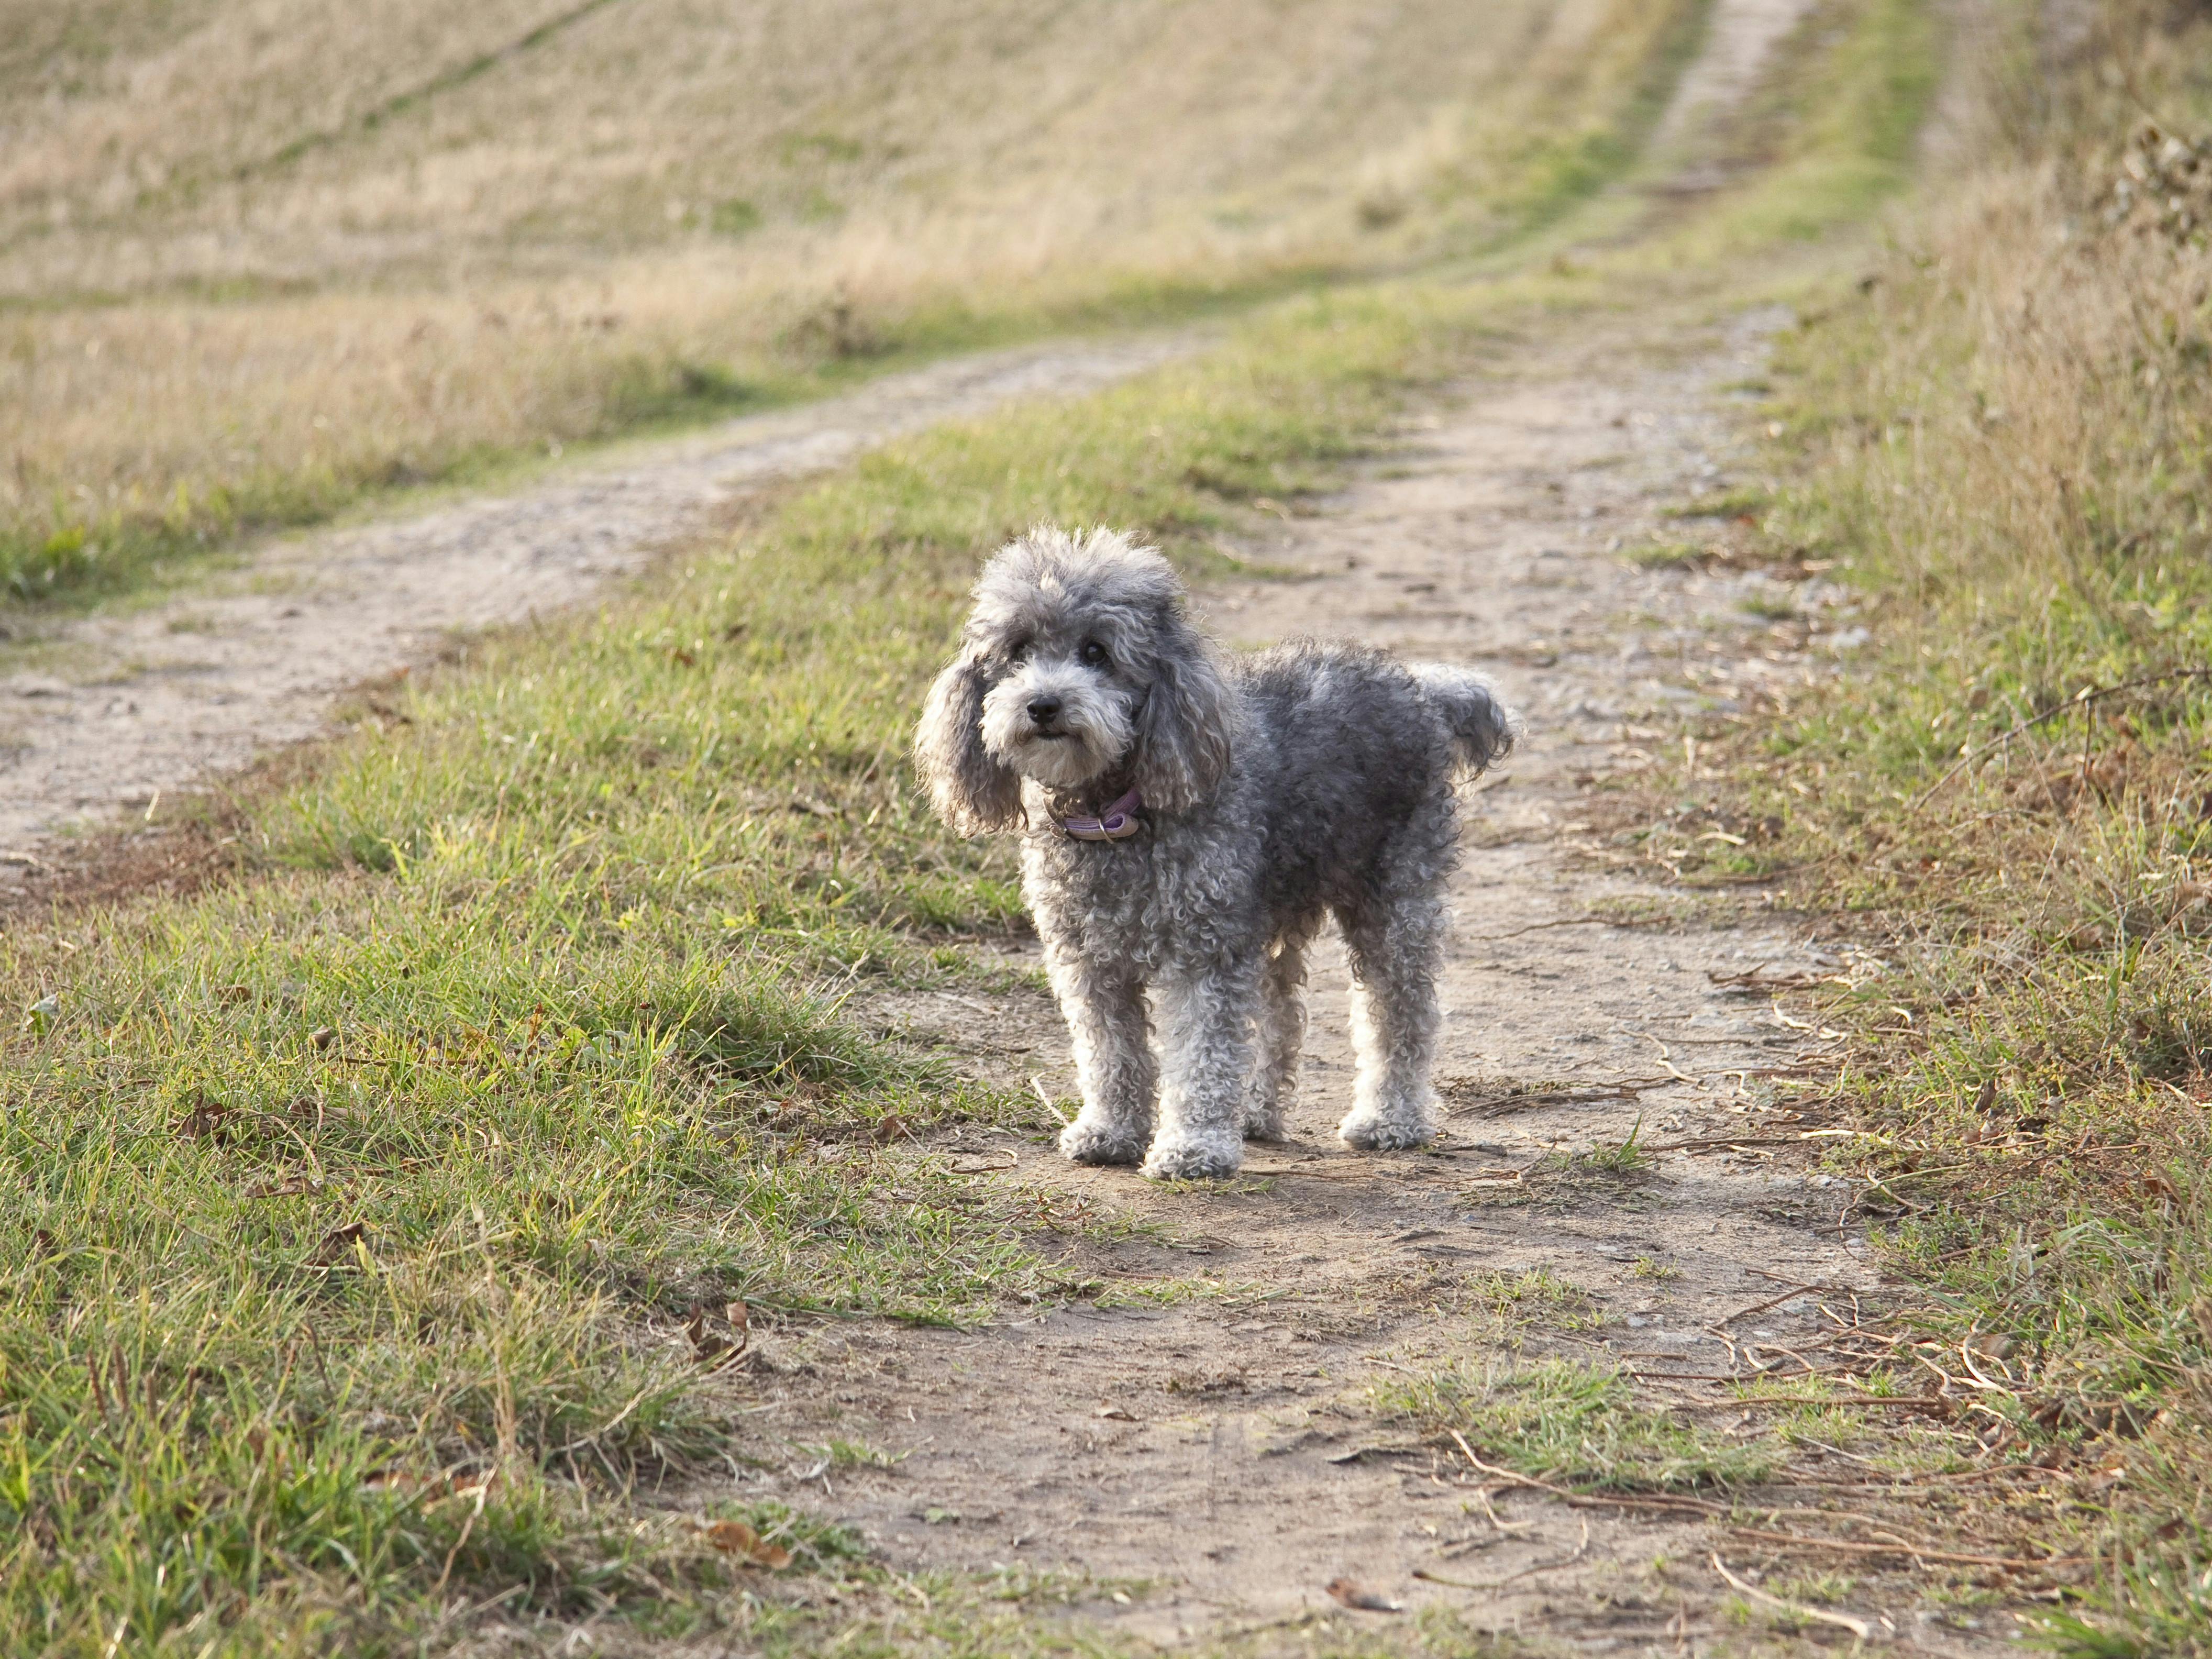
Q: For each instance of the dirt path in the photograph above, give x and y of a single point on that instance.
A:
(1215, 1435)
(126, 706)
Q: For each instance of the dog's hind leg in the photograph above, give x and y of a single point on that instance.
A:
(1279, 1030)
(1207, 1018)
(1113, 1063)
(1394, 950)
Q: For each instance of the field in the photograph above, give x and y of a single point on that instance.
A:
(511, 1194)
(257, 261)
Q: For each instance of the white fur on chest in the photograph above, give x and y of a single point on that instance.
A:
(1177, 894)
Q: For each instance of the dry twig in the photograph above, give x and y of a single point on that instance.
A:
(2081, 699)
(1858, 1627)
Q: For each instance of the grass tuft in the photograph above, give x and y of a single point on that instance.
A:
(1576, 1425)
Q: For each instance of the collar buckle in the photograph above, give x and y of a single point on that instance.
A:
(1117, 822)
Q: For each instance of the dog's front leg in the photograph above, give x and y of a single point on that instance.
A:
(1113, 1063)
(1206, 1041)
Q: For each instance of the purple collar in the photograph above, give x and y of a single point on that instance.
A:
(1117, 822)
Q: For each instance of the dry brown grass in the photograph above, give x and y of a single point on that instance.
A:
(255, 256)
(2005, 426)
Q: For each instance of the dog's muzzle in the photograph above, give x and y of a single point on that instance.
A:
(1117, 822)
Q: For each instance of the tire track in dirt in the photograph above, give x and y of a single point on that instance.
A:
(129, 705)
(1219, 1442)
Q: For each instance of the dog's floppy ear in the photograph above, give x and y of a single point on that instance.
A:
(1187, 732)
(971, 791)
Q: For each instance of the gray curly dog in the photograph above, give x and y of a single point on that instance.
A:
(1190, 822)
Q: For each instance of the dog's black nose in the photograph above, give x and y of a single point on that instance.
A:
(1044, 710)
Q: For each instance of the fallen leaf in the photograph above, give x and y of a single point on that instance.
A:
(205, 1120)
(1361, 1597)
(284, 1188)
(736, 1538)
(1116, 1413)
(719, 1336)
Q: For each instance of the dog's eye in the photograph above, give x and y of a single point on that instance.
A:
(1018, 651)
(1094, 654)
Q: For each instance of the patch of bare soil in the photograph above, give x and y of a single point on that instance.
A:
(1204, 1425)
(123, 707)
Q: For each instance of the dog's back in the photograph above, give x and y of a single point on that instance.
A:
(1351, 765)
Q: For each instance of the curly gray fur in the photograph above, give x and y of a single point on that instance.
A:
(1308, 783)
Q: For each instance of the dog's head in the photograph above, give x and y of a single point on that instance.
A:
(1077, 661)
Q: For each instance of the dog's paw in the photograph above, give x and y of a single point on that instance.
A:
(1085, 1142)
(1269, 1127)
(1374, 1132)
(1194, 1160)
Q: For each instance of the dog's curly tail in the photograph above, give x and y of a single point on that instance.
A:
(1482, 728)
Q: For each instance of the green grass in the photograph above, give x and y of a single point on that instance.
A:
(1595, 133)
(1669, 555)
(1575, 1426)
(1537, 1298)
(1620, 1160)
(1744, 501)
(1833, 130)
